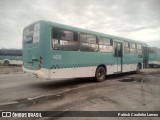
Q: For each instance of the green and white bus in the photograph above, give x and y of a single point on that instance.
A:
(154, 57)
(52, 50)
(10, 57)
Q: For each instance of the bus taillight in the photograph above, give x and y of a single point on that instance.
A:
(41, 60)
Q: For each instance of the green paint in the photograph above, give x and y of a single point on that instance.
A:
(55, 59)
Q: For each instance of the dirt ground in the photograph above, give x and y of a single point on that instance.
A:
(127, 92)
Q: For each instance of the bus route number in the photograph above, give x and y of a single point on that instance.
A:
(57, 57)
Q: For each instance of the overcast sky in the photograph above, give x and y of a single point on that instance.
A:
(134, 19)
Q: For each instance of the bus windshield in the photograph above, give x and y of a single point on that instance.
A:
(31, 34)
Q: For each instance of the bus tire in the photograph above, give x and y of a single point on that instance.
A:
(138, 68)
(100, 74)
(6, 63)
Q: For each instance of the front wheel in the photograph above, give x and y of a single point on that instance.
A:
(100, 74)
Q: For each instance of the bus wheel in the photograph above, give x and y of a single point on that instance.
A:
(6, 63)
(100, 74)
(138, 69)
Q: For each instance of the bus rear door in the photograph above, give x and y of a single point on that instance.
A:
(118, 57)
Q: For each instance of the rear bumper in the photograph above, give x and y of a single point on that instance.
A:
(42, 73)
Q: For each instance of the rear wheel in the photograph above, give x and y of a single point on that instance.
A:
(6, 63)
(100, 74)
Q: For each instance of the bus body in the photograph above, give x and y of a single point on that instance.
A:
(154, 57)
(52, 50)
(11, 57)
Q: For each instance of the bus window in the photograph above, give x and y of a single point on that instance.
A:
(28, 35)
(88, 42)
(31, 34)
(64, 39)
(139, 49)
(105, 45)
(133, 48)
(126, 47)
(151, 50)
(10, 52)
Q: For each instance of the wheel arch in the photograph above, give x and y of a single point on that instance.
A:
(102, 65)
(6, 60)
(100, 73)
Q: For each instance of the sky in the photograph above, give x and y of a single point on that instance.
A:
(133, 19)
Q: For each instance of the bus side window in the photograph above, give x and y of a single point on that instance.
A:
(133, 48)
(151, 50)
(88, 42)
(65, 39)
(55, 36)
(105, 44)
(6, 52)
(126, 47)
(139, 48)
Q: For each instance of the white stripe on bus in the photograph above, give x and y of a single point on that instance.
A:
(76, 72)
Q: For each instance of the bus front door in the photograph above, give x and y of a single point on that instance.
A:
(118, 57)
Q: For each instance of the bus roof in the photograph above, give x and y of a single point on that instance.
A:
(89, 31)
